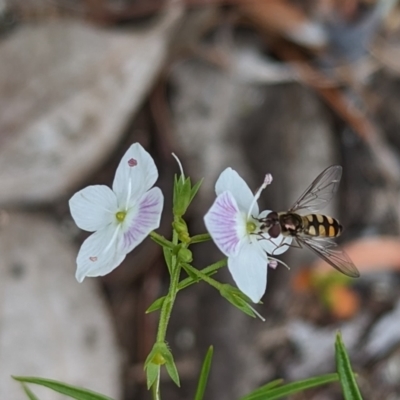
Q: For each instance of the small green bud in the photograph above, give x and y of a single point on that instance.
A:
(185, 255)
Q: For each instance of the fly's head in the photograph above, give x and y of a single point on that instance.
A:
(270, 224)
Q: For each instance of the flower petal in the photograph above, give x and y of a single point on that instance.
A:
(99, 254)
(249, 270)
(275, 246)
(93, 207)
(144, 218)
(136, 173)
(226, 224)
(231, 181)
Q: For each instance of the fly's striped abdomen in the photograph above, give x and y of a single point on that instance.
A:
(321, 225)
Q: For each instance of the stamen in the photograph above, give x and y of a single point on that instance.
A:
(267, 181)
(273, 264)
(257, 313)
(180, 165)
(278, 261)
(132, 162)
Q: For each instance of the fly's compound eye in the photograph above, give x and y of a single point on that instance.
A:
(271, 224)
(274, 231)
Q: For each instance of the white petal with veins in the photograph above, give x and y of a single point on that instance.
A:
(93, 207)
(99, 254)
(136, 173)
(249, 271)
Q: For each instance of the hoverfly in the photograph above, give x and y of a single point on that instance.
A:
(310, 229)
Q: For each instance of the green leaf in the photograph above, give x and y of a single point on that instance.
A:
(268, 386)
(237, 298)
(195, 189)
(75, 392)
(168, 259)
(29, 392)
(161, 240)
(191, 272)
(346, 374)
(156, 305)
(290, 388)
(182, 192)
(152, 373)
(190, 280)
(171, 367)
(205, 370)
(204, 237)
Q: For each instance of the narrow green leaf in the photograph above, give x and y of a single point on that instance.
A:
(168, 259)
(195, 189)
(161, 240)
(173, 373)
(235, 297)
(152, 373)
(205, 370)
(75, 392)
(171, 367)
(156, 305)
(29, 392)
(190, 281)
(190, 272)
(203, 237)
(346, 374)
(268, 386)
(291, 388)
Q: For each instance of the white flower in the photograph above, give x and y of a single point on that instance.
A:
(120, 218)
(233, 222)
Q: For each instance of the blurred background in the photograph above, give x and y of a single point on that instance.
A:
(281, 86)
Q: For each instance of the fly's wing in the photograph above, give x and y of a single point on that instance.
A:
(320, 192)
(328, 250)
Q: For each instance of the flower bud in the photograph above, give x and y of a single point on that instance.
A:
(185, 255)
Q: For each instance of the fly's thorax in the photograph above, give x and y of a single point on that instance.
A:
(321, 225)
(291, 223)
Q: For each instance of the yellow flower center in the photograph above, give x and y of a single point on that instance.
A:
(251, 227)
(120, 215)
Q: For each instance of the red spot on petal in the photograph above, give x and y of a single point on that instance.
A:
(132, 162)
(93, 259)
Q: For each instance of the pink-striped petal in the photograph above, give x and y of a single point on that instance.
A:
(142, 219)
(231, 181)
(226, 224)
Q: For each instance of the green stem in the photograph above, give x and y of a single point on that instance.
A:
(204, 237)
(156, 389)
(206, 271)
(168, 303)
